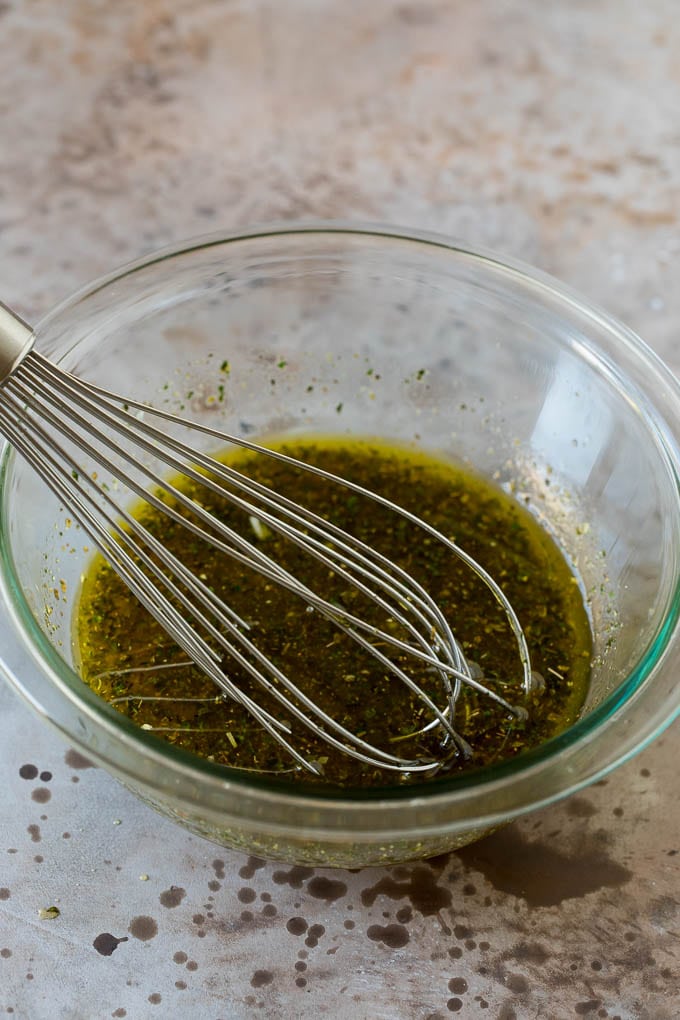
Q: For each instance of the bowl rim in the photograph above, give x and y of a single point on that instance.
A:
(498, 777)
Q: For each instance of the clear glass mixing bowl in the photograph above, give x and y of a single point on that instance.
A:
(331, 329)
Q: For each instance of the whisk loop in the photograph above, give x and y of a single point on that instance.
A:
(53, 418)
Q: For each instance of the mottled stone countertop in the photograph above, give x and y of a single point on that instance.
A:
(546, 130)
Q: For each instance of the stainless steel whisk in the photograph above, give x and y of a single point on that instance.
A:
(51, 417)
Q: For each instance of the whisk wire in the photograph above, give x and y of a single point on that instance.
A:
(349, 549)
(468, 560)
(35, 394)
(186, 635)
(265, 565)
(156, 443)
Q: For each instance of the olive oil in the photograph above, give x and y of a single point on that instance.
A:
(128, 658)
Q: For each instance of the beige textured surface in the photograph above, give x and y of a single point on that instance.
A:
(547, 130)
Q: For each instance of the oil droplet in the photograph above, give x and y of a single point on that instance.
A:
(143, 928)
(75, 760)
(172, 897)
(392, 935)
(328, 889)
(106, 943)
(261, 977)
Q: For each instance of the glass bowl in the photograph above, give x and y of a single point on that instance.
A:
(412, 338)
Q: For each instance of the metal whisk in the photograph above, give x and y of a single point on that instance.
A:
(52, 418)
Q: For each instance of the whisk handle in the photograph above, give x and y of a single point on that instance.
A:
(16, 340)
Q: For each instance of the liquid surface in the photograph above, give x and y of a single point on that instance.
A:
(127, 658)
